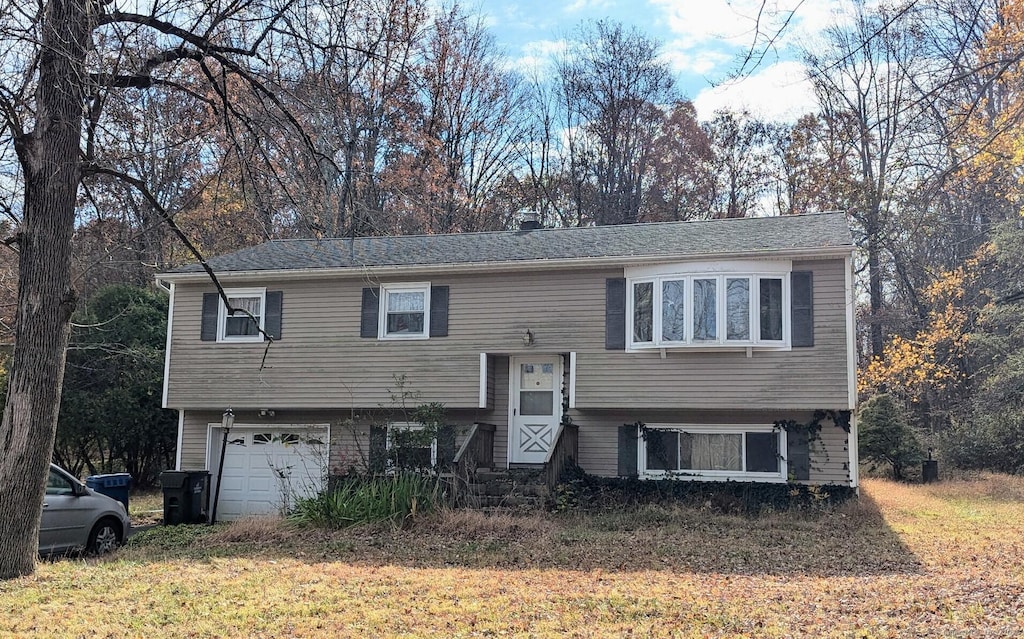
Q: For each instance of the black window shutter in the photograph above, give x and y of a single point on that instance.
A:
(378, 449)
(802, 288)
(272, 321)
(445, 445)
(439, 311)
(798, 455)
(371, 309)
(211, 306)
(628, 438)
(615, 314)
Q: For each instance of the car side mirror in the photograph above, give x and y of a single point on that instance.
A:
(78, 489)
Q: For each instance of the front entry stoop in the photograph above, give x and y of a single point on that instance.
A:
(512, 490)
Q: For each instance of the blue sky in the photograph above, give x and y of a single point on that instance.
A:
(701, 39)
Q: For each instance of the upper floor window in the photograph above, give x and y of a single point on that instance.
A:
(245, 324)
(729, 307)
(404, 311)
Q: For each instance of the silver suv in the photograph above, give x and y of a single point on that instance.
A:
(75, 517)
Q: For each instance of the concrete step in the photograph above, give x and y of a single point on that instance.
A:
(516, 502)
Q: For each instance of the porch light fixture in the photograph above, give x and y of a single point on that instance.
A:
(528, 338)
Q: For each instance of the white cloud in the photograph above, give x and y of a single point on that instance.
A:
(538, 56)
(683, 59)
(738, 22)
(579, 6)
(780, 92)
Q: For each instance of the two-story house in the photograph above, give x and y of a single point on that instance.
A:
(709, 333)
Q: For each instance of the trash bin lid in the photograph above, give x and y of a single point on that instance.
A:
(173, 479)
(112, 480)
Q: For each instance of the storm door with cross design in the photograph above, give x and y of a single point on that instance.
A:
(536, 407)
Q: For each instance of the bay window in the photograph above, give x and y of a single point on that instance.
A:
(667, 310)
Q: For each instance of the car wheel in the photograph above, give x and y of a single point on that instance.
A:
(105, 537)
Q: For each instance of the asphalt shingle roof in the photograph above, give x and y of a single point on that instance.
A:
(752, 236)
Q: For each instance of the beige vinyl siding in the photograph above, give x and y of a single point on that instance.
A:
(195, 430)
(814, 377)
(599, 431)
(499, 416)
(830, 456)
(350, 439)
(322, 363)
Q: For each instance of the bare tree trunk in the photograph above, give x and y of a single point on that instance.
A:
(49, 157)
(875, 294)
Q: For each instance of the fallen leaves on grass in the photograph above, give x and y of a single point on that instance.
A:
(935, 561)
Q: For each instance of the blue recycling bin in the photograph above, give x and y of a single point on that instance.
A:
(114, 485)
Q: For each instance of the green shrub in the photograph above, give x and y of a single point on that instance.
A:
(886, 436)
(986, 441)
(588, 492)
(361, 500)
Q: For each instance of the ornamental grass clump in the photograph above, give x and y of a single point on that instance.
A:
(364, 500)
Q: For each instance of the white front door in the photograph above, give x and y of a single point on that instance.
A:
(536, 407)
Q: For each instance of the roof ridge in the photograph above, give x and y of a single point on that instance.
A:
(689, 239)
(595, 227)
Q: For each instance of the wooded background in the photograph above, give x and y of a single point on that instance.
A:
(373, 117)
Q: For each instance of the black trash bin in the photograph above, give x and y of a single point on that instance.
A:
(114, 485)
(186, 495)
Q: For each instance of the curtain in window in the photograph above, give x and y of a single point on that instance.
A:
(643, 312)
(709, 451)
(405, 313)
(240, 323)
(737, 308)
(771, 309)
(704, 310)
(405, 302)
(673, 320)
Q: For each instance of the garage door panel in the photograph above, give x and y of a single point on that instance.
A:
(266, 472)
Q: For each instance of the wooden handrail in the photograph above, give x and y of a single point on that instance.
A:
(558, 439)
(476, 449)
(565, 448)
(470, 436)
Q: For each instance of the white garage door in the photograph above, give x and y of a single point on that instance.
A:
(267, 469)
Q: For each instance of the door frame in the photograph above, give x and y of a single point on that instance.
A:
(513, 395)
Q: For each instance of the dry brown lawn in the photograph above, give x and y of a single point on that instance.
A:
(945, 560)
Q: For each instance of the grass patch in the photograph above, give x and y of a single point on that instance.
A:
(146, 507)
(905, 560)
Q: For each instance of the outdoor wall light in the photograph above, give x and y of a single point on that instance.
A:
(528, 338)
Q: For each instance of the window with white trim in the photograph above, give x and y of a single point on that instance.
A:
(247, 321)
(404, 311)
(410, 447)
(673, 310)
(713, 452)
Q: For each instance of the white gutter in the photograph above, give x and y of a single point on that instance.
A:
(618, 261)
